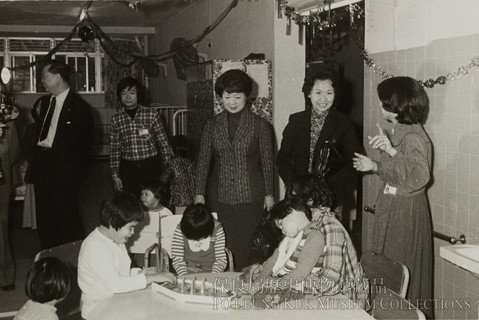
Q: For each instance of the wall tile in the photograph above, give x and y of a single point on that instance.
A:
(453, 126)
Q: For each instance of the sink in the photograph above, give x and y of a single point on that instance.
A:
(465, 256)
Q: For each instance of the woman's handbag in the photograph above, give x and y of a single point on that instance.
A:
(326, 158)
(266, 238)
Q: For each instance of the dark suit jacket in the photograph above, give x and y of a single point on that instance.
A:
(293, 155)
(240, 171)
(74, 135)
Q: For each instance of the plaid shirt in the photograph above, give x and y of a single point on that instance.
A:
(137, 139)
(341, 270)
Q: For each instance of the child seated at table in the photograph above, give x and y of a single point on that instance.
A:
(317, 254)
(48, 282)
(103, 263)
(198, 242)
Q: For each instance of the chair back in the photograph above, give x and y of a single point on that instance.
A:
(387, 304)
(69, 252)
(385, 272)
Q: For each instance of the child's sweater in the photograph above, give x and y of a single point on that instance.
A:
(103, 270)
(193, 254)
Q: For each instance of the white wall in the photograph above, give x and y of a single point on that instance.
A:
(453, 126)
(247, 28)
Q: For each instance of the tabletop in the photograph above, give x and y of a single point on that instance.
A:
(148, 305)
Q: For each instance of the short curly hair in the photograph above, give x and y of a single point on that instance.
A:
(234, 81)
(319, 74)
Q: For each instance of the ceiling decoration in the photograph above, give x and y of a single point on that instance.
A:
(145, 13)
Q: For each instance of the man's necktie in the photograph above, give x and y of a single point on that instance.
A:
(48, 119)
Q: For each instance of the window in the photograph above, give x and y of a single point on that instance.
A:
(84, 58)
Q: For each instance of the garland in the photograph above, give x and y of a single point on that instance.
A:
(87, 30)
(317, 19)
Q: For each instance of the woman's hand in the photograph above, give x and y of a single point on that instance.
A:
(363, 163)
(382, 142)
(268, 202)
(118, 184)
(160, 277)
(199, 199)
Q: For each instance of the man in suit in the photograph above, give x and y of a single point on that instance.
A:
(65, 134)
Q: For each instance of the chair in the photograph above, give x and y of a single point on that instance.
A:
(387, 304)
(70, 306)
(385, 272)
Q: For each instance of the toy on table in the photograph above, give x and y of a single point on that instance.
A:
(193, 290)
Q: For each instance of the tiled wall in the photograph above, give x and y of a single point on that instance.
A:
(453, 125)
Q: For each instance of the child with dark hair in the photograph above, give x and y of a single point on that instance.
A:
(48, 282)
(104, 267)
(317, 254)
(198, 242)
(316, 193)
(179, 173)
(155, 196)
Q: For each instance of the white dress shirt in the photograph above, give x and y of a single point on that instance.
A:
(52, 130)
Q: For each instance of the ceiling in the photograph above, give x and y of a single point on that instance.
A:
(124, 13)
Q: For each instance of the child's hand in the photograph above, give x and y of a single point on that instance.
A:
(160, 277)
(363, 163)
(150, 270)
(194, 270)
(382, 142)
(268, 202)
(118, 184)
(199, 199)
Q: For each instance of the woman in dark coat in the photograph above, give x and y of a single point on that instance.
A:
(235, 165)
(309, 129)
(402, 223)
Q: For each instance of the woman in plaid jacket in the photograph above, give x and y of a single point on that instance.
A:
(235, 165)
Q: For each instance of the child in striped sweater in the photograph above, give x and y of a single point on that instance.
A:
(198, 242)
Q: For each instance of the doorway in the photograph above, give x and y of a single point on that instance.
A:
(336, 42)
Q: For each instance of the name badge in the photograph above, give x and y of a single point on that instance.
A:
(143, 132)
(390, 189)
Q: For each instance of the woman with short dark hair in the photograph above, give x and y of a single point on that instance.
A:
(308, 130)
(402, 223)
(235, 165)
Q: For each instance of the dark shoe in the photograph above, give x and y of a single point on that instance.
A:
(9, 287)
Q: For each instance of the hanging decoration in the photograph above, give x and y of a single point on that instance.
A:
(331, 21)
(88, 30)
(85, 33)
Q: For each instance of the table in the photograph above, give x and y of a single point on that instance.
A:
(148, 305)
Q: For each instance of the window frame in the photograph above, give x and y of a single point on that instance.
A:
(98, 55)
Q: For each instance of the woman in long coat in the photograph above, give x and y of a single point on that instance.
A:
(402, 227)
(235, 166)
